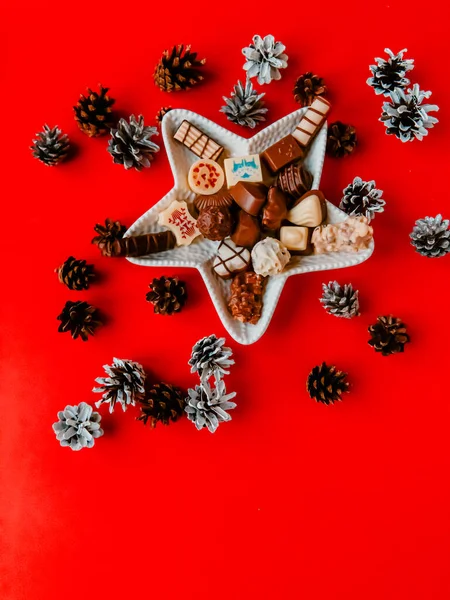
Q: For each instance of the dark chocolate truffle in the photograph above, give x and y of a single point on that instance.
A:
(215, 222)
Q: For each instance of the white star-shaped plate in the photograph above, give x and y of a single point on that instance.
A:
(200, 254)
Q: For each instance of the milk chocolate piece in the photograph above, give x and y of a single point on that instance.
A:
(296, 239)
(247, 231)
(310, 210)
(311, 122)
(215, 222)
(283, 153)
(222, 198)
(142, 245)
(249, 196)
(294, 180)
(275, 210)
(197, 141)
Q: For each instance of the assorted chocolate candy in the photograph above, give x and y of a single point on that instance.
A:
(243, 168)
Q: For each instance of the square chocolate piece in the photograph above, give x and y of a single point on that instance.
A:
(282, 154)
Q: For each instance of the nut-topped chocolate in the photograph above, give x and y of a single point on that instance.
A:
(282, 153)
(215, 222)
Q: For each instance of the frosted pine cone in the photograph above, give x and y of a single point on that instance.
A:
(431, 236)
(211, 358)
(390, 74)
(51, 146)
(124, 384)
(130, 144)
(207, 407)
(244, 107)
(340, 301)
(265, 57)
(78, 426)
(362, 198)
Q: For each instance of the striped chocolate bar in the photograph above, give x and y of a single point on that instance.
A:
(197, 141)
(311, 122)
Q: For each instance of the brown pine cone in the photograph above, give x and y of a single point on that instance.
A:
(307, 87)
(79, 318)
(161, 113)
(341, 140)
(163, 403)
(75, 274)
(93, 112)
(178, 69)
(167, 294)
(326, 384)
(108, 234)
(246, 297)
(388, 335)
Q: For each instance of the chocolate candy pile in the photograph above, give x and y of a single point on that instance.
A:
(260, 208)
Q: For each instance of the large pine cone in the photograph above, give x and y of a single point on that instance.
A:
(326, 384)
(341, 140)
(75, 274)
(308, 87)
(163, 403)
(79, 318)
(123, 385)
(94, 113)
(178, 69)
(388, 335)
(167, 294)
(107, 236)
(246, 297)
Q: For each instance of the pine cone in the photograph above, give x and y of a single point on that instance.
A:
(168, 295)
(162, 112)
(264, 59)
(362, 198)
(108, 234)
(163, 403)
(75, 274)
(308, 87)
(130, 144)
(341, 139)
(94, 113)
(207, 407)
(431, 236)
(178, 69)
(124, 384)
(387, 75)
(51, 146)
(340, 301)
(79, 318)
(406, 117)
(211, 358)
(326, 384)
(244, 107)
(388, 335)
(78, 426)
(246, 297)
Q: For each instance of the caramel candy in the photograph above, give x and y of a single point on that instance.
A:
(222, 198)
(243, 168)
(247, 231)
(246, 301)
(310, 210)
(282, 153)
(197, 141)
(312, 121)
(296, 239)
(206, 177)
(294, 180)
(249, 196)
(275, 209)
(215, 223)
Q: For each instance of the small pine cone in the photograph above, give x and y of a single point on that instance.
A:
(123, 385)
(245, 106)
(387, 75)
(94, 113)
(388, 335)
(78, 426)
(178, 69)
(340, 301)
(51, 146)
(130, 144)
(362, 198)
(168, 295)
(308, 87)
(79, 318)
(162, 112)
(210, 357)
(163, 403)
(431, 237)
(341, 140)
(326, 384)
(75, 274)
(108, 234)
(246, 297)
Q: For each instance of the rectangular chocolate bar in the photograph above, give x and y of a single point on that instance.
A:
(312, 121)
(197, 141)
(282, 153)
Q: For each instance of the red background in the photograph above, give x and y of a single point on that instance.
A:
(291, 499)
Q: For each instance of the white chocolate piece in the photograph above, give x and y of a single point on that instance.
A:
(197, 141)
(309, 211)
(312, 121)
(230, 259)
(352, 235)
(181, 223)
(206, 177)
(294, 238)
(243, 168)
(269, 257)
